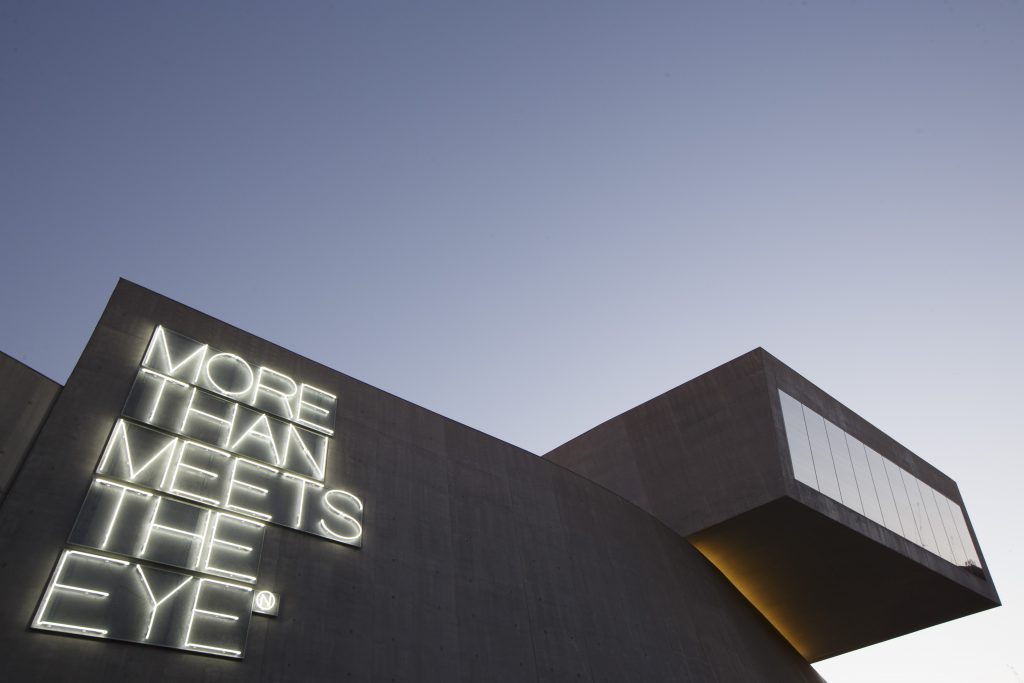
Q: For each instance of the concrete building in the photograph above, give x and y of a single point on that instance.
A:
(199, 504)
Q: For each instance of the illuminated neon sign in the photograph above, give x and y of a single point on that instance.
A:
(209, 450)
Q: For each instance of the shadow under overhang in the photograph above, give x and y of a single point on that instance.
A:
(829, 589)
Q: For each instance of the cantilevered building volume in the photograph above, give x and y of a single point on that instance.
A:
(199, 504)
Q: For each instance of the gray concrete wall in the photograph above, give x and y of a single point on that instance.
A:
(694, 456)
(480, 562)
(25, 400)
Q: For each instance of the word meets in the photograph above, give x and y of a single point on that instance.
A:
(210, 449)
(191, 469)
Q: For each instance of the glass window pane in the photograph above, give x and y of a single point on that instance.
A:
(796, 436)
(886, 500)
(844, 468)
(828, 483)
(865, 483)
(828, 459)
(899, 492)
(965, 534)
(943, 503)
(928, 493)
(924, 527)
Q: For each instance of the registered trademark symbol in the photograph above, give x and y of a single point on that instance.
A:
(265, 601)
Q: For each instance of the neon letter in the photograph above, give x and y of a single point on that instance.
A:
(157, 603)
(319, 415)
(214, 541)
(283, 398)
(182, 465)
(196, 610)
(235, 481)
(190, 535)
(119, 437)
(117, 508)
(316, 461)
(221, 422)
(302, 495)
(349, 519)
(170, 367)
(262, 435)
(239, 362)
(164, 381)
(55, 584)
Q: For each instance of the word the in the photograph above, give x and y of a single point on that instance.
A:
(128, 521)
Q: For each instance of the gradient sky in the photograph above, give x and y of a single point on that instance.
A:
(532, 216)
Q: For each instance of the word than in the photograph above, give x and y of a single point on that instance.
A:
(174, 406)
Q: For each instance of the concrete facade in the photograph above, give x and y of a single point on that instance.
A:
(479, 561)
(25, 401)
(710, 459)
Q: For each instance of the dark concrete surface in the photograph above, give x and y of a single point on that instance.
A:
(25, 400)
(830, 589)
(481, 562)
(694, 456)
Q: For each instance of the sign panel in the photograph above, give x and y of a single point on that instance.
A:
(266, 603)
(105, 597)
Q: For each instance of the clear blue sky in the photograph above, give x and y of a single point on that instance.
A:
(531, 216)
